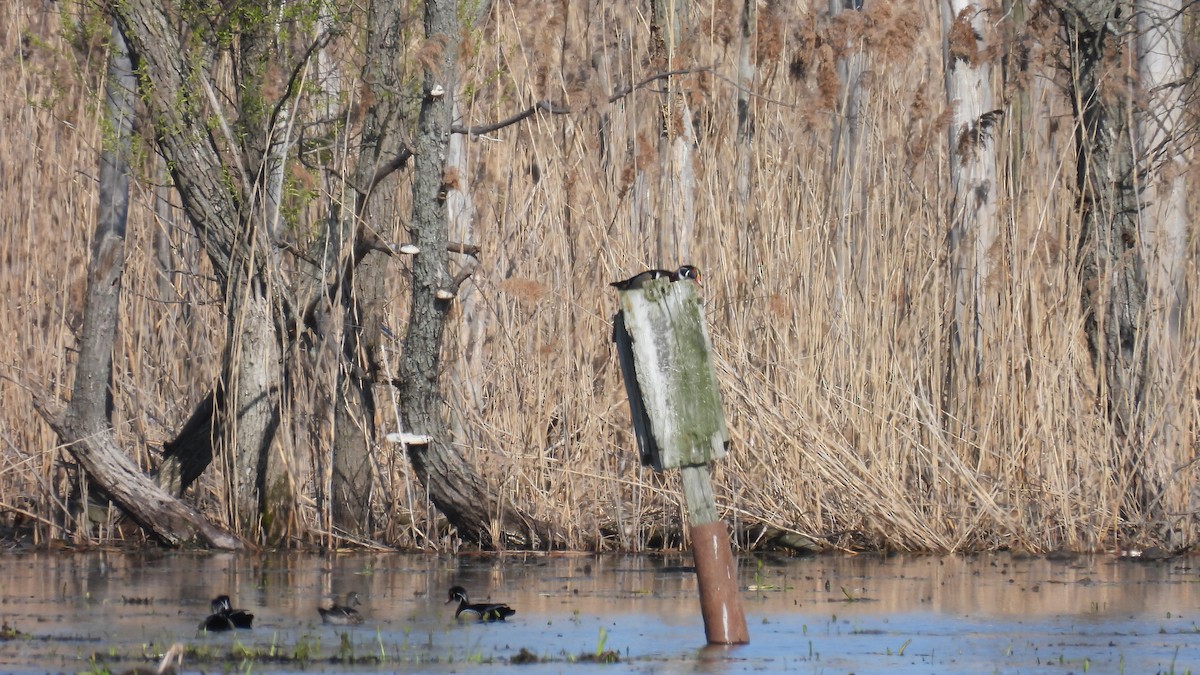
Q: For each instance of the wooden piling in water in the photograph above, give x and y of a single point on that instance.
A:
(666, 361)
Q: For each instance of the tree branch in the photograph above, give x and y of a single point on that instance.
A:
(553, 108)
(545, 105)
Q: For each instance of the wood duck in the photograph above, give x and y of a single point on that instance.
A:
(687, 272)
(482, 611)
(224, 617)
(240, 617)
(216, 623)
(343, 615)
(639, 280)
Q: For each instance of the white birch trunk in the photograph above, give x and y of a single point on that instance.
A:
(460, 211)
(972, 156)
(1163, 225)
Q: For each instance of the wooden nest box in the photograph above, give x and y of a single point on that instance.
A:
(666, 361)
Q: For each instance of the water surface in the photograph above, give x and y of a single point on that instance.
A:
(830, 614)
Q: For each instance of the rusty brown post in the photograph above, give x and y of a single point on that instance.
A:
(716, 571)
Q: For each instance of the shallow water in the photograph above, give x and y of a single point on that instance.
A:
(832, 614)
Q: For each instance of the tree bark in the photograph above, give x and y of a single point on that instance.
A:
(467, 370)
(354, 413)
(1110, 262)
(474, 312)
(222, 191)
(1016, 79)
(677, 219)
(172, 87)
(972, 218)
(86, 425)
(847, 189)
(454, 487)
(747, 80)
(1161, 133)
(247, 425)
(362, 292)
(265, 133)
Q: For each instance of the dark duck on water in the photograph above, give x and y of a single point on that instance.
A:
(225, 617)
(480, 610)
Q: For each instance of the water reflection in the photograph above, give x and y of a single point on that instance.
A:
(858, 613)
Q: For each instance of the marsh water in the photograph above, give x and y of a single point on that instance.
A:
(97, 611)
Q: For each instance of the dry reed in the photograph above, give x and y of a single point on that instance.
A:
(835, 400)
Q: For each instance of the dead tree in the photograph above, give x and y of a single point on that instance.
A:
(86, 426)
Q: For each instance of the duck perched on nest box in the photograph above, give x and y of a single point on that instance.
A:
(640, 279)
(666, 362)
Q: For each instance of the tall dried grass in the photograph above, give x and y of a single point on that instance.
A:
(842, 430)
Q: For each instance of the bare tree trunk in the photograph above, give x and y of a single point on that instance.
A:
(354, 415)
(1015, 78)
(454, 487)
(677, 221)
(746, 81)
(362, 291)
(473, 314)
(972, 156)
(254, 345)
(847, 189)
(251, 416)
(1110, 262)
(457, 491)
(1163, 243)
(183, 133)
(277, 501)
(86, 421)
(224, 197)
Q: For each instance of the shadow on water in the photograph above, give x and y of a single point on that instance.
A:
(863, 614)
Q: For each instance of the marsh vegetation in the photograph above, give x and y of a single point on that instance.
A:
(879, 394)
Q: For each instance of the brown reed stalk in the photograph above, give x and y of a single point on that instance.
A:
(841, 436)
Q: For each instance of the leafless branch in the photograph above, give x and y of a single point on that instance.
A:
(551, 107)
(556, 109)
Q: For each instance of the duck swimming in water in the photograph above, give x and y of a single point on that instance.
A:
(224, 617)
(240, 617)
(343, 615)
(481, 611)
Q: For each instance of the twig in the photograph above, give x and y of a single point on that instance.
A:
(553, 108)
(544, 105)
(465, 249)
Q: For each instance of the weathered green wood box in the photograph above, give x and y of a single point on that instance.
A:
(666, 361)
